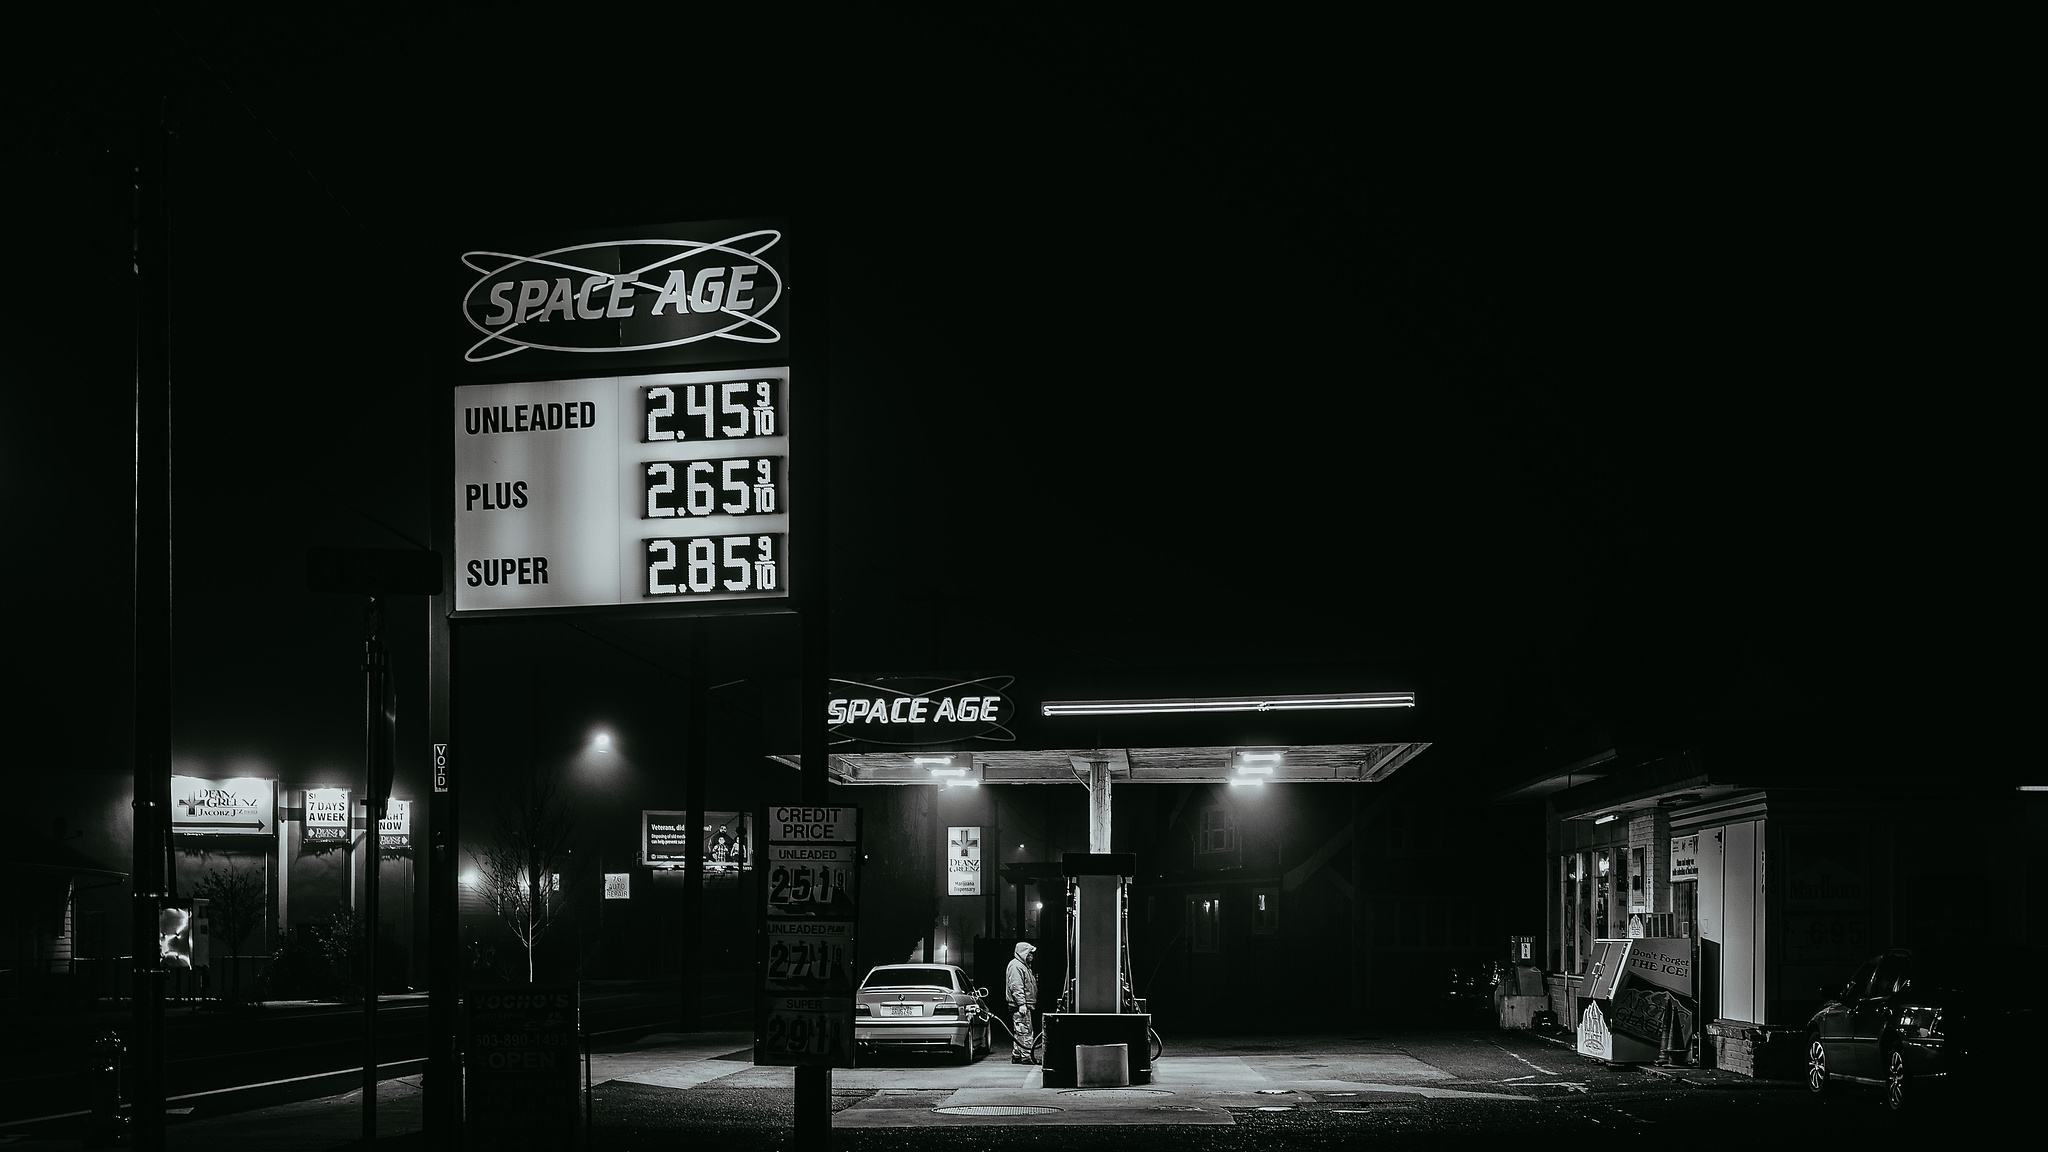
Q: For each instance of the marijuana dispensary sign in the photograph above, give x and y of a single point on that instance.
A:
(239, 806)
(963, 861)
(327, 816)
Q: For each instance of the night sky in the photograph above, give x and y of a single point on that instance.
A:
(1655, 414)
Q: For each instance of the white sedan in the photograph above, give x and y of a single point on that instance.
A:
(924, 1007)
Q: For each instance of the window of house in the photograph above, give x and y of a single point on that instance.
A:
(1219, 830)
(1405, 832)
(1205, 921)
(1265, 911)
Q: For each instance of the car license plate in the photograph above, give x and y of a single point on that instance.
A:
(901, 1009)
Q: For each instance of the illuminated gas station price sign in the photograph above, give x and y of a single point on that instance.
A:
(664, 489)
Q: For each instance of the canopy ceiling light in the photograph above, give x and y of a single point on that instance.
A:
(1606, 818)
(1257, 763)
(1228, 704)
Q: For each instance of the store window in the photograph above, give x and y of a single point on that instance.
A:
(1205, 922)
(1265, 911)
(1567, 958)
(1593, 893)
(1603, 892)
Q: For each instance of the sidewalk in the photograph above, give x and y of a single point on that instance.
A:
(676, 1083)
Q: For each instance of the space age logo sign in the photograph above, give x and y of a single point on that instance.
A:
(650, 295)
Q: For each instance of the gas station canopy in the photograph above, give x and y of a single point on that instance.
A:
(1315, 763)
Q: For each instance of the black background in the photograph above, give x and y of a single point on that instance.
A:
(1657, 394)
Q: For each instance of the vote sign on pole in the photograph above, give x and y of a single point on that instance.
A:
(809, 892)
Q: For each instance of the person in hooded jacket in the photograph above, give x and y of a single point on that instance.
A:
(1021, 988)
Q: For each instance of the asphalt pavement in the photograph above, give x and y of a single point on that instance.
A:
(1418, 1088)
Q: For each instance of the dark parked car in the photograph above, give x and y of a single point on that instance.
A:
(1913, 1020)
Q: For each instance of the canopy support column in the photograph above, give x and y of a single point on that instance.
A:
(1098, 804)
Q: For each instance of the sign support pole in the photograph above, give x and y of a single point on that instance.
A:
(810, 525)
(697, 754)
(374, 671)
(147, 288)
(442, 1086)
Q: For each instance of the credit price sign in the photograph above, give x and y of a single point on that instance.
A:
(809, 899)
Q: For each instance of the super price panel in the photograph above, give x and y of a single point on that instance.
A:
(662, 490)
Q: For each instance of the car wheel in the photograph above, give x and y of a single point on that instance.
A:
(1897, 1085)
(1817, 1079)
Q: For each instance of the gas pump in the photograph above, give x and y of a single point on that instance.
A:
(1098, 1005)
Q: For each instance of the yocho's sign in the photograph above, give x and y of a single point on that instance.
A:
(642, 296)
(921, 710)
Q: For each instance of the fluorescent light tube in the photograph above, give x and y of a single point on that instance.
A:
(1228, 704)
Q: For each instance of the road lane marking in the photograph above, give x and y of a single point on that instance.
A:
(294, 1079)
(1545, 1071)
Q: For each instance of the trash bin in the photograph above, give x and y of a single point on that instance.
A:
(1519, 996)
(1102, 1065)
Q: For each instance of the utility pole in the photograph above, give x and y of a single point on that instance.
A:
(697, 744)
(377, 752)
(149, 283)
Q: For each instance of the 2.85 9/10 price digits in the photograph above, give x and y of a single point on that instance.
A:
(726, 565)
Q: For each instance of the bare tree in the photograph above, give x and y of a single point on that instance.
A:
(236, 901)
(522, 860)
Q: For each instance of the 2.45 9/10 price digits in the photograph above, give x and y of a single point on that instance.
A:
(727, 565)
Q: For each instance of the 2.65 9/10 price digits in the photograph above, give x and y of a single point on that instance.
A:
(729, 565)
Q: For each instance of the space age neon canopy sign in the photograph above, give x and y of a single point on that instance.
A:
(623, 295)
(910, 711)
